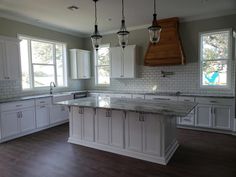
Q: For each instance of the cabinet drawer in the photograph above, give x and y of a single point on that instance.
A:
(225, 101)
(138, 96)
(122, 95)
(17, 105)
(188, 120)
(186, 99)
(43, 101)
(159, 98)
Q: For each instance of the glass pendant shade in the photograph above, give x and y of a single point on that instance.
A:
(154, 31)
(96, 38)
(123, 35)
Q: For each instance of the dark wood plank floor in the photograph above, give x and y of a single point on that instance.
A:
(47, 154)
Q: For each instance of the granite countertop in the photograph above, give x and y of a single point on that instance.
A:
(23, 98)
(170, 108)
(165, 93)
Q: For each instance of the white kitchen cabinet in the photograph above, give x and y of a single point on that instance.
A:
(80, 64)
(76, 123)
(151, 135)
(9, 123)
(27, 121)
(9, 59)
(60, 113)
(88, 123)
(203, 116)
(16, 121)
(42, 116)
(110, 127)
(123, 62)
(43, 112)
(222, 117)
(117, 129)
(134, 132)
(102, 126)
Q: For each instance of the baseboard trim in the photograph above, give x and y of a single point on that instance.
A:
(138, 155)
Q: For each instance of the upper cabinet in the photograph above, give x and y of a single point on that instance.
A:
(9, 58)
(80, 64)
(169, 50)
(123, 62)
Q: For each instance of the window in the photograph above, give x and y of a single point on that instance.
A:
(102, 65)
(42, 62)
(215, 59)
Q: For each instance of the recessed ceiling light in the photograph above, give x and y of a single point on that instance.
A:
(109, 19)
(72, 8)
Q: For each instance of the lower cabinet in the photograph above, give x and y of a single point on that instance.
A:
(203, 116)
(110, 127)
(16, 122)
(83, 124)
(214, 116)
(42, 116)
(143, 133)
(59, 113)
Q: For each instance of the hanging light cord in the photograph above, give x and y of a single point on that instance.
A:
(123, 13)
(96, 20)
(155, 10)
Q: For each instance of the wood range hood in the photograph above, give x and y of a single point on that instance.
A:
(169, 50)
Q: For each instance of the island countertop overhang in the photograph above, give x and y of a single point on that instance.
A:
(164, 107)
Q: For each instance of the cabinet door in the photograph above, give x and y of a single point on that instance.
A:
(42, 116)
(134, 135)
(80, 64)
(76, 124)
(73, 64)
(27, 122)
(102, 126)
(88, 124)
(9, 121)
(203, 116)
(12, 60)
(116, 62)
(86, 64)
(2, 59)
(117, 129)
(222, 117)
(151, 135)
(59, 113)
(129, 61)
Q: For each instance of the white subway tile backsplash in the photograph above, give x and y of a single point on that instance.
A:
(185, 79)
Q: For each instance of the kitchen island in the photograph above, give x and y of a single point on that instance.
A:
(143, 129)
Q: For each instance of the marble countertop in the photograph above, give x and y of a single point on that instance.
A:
(170, 108)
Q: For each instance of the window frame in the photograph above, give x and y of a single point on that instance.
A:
(54, 64)
(96, 66)
(229, 60)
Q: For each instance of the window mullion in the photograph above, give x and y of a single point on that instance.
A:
(55, 63)
(31, 69)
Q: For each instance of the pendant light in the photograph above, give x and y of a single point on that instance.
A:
(123, 34)
(155, 29)
(96, 37)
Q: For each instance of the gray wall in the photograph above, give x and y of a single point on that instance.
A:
(189, 32)
(12, 28)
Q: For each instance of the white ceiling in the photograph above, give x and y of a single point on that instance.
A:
(54, 14)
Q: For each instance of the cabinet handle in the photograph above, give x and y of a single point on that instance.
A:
(19, 105)
(18, 114)
(161, 98)
(42, 106)
(81, 110)
(42, 101)
(213, 101)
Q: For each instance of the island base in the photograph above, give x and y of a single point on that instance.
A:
(149, 137)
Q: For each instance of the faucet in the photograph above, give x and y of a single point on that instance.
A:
(52, 84)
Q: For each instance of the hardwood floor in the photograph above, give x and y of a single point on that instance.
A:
(47, 154)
